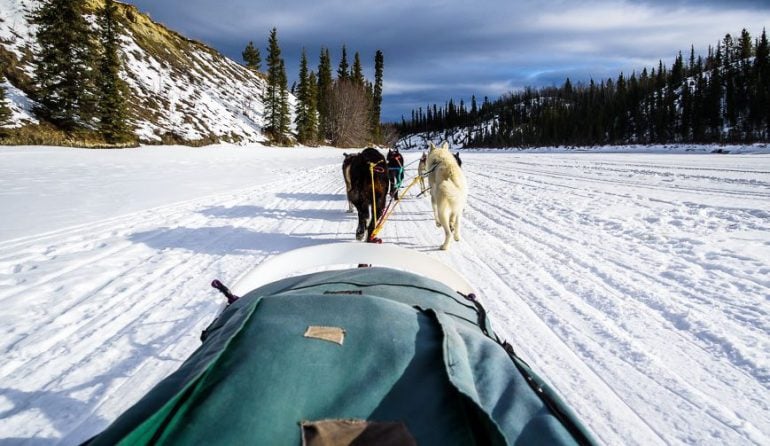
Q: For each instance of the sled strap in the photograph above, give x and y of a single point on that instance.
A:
(481, 312)
(399, 177)
(400, 172)
(429, 171)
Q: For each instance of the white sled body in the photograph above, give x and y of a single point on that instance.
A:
(333, 256)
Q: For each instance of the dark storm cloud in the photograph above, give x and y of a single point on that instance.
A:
(440, 49)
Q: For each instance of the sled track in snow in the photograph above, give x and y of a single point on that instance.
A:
(635, 285)
(550, 239)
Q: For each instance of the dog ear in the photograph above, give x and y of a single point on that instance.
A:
(431, 147)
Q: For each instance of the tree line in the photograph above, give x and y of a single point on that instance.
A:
(723, 97)
(343, 111)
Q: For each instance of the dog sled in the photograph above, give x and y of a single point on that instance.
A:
(368, 345)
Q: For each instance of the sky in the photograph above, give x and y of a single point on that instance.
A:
(435, 50)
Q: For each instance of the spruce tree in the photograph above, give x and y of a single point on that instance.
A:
(762, 59)
(272, 97)
(358, 71)
(713, 99)
(761, 98)
(377, 95)
(284, 114)
(311, 124)
(324, 91)
(64, 63)
(113, 112)
(342, 70)
(252, 57)
(305, 134)
(5, 110)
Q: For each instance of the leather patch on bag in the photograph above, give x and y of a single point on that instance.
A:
(355, 433)
(331, 334)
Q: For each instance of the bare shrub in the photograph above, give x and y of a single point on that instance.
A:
(348, 107)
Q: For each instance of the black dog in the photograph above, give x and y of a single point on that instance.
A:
(363, 166)
(346, 174)
(395, 171)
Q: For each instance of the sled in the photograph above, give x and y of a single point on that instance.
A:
(351, 344)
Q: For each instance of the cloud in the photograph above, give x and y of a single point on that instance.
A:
(440, 49)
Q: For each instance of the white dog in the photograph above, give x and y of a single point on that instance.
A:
(448, 191)
(421, 171)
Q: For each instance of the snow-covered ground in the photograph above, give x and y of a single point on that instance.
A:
(637, 284)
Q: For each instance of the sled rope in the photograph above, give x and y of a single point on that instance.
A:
(389, 209)
(372, 167)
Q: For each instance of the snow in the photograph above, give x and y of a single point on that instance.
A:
(21, 106)
(637, 284)
(15, 29)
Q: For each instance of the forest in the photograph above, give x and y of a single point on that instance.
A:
(723, 97)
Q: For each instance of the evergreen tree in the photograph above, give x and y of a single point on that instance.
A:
(761, 98)
(342, 70)
(305, 111)
(762, 59)
(311, 124)
(113, 111)
(567, 88)
(713, 98)
(273, 96)
(284, 114)
(358, 72)
(324, 90)
(691, 64)
(745, 46)
(64, 63)
(5, 110)
(377, 95)
(252, 57)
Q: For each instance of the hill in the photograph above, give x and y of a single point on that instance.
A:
(181, 90)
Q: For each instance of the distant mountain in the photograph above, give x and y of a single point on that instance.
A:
(181, 90)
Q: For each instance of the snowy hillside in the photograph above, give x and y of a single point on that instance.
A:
(457, 138)
(636, 283)
(182, 90)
